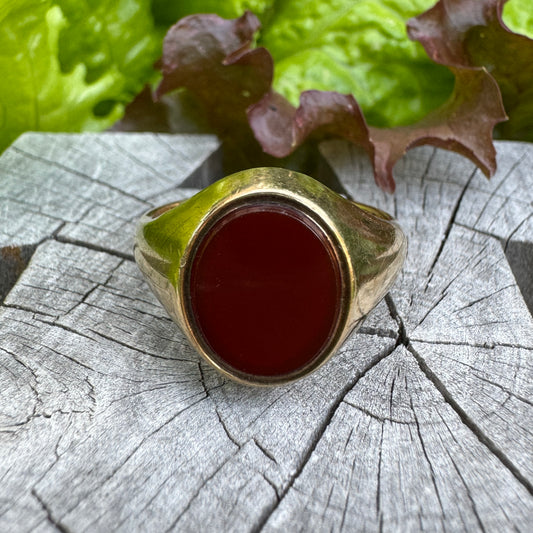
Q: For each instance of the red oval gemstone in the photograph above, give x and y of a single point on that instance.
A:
(265, 289)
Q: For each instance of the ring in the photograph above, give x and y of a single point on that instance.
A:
(268, 271)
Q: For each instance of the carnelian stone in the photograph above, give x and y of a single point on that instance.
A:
(265, 289)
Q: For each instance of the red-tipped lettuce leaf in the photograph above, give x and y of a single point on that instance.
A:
(463, 124)
(280, 127)
(214, 59)
(471, 33)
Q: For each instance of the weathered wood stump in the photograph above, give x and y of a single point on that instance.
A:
(110, 422)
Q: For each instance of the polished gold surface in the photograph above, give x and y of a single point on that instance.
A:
(369, 246)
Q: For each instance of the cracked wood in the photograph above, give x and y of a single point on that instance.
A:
(109, 421)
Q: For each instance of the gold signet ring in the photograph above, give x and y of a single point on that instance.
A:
(268, 271)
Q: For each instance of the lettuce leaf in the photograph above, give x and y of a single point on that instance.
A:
(361, 48)
(71, 65)
(217, 61)
(518, 17)
(167, 13)
(472, 33)
(464, 124)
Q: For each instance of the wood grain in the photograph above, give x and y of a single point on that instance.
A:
(109, 421)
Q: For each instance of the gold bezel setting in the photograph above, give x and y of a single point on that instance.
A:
(367, 243)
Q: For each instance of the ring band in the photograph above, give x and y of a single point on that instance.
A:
(268, 271)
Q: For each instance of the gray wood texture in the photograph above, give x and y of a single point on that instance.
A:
(110, 422)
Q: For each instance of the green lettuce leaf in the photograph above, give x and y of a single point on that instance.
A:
(518, 17)
(71, 65)
(167, 13)
(360, 48)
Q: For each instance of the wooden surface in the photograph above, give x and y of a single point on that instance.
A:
(109, 422)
